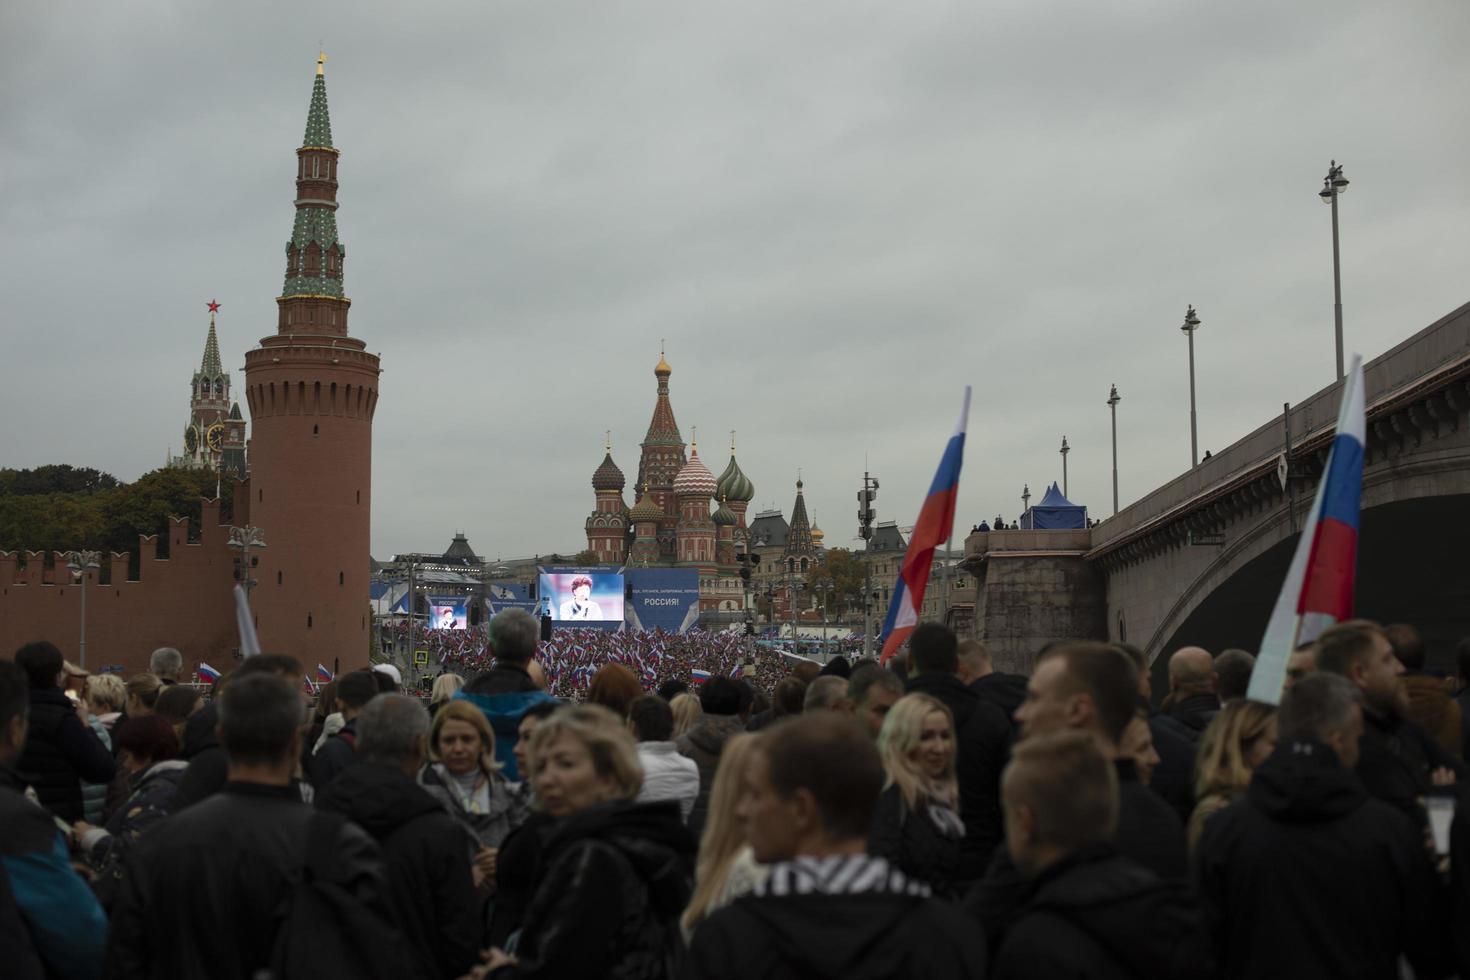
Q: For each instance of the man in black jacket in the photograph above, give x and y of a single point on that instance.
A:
(1087, 912)
(982, 741)
(826, 909)
(1005, 691)
(208, 766)
(426, 850)
(354, 691)
(1398, 761)
(203, 893)
(61, 749)
(1089, 687)
(1193, 701)
(1308, 875)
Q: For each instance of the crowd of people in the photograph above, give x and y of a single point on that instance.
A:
(571, 657)
(583, 810)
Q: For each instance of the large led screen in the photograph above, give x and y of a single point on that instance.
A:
(583, 597)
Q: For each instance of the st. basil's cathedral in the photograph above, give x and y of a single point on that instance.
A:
(682, 516)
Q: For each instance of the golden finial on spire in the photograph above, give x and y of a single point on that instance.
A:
(609, 441)
(321, 62)
(663, 366)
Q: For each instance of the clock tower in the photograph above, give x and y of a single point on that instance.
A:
(214, 436)
(312, 389)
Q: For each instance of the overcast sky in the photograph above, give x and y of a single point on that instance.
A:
(837, 214)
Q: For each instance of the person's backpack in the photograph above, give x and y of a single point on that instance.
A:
(325, 931)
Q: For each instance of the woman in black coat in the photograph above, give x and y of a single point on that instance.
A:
(615, 874)
(916, 826)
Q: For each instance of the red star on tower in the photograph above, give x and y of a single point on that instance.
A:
(213, 306)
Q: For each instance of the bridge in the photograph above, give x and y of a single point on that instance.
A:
(1200, 559)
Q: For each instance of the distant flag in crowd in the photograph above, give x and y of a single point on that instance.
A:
(323, 674)
(737, 672)
(935, 524)
(307, 685)
(206, 674)
(1318, 590)
(698, 676)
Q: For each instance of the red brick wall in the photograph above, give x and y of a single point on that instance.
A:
(184, 601)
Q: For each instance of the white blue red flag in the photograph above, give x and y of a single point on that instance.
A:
(323, 674)
(934, 526)
(698, 676)
(206, 674)
(1318, 590)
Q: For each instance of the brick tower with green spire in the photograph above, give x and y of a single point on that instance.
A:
(312, 390)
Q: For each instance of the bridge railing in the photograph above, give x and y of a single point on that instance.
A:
(1440, 346)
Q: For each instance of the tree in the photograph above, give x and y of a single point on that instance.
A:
(585, 557)
(845, 570)
(54, 478)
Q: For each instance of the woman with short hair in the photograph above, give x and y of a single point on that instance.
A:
(615, 687)
(615, 872)
(463, 775)
(446, 686)
(1237, 740)
(916, 824)
(107, 696)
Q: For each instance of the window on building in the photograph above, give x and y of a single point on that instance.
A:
(341, 578)
(308, 620)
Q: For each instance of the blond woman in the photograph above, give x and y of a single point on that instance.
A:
(916, 825)
(726, 868)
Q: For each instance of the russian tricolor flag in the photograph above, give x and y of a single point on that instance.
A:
(206, 674)
(936, 522)
(1318, 590)
(698, 676)
(323, 674)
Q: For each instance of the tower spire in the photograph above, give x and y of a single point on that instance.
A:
(211, 367)
(312, 302)
(318, 123)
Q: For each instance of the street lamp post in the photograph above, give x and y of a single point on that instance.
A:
(1113, 400)
(1065, 450)
(80, 563)
(1191, 324)
(1025, 500)
(793, 589)
(1333, 185)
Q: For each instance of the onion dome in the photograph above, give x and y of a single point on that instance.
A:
(661, 369)
(723, 515)
(646, 509)
(608, 476)
(694, 480)
(735, 485)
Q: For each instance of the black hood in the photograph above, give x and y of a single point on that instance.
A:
(650, 835)
(377, 798)
(837, 918)
(1304, 782)
(199, 731)
(1148, 926)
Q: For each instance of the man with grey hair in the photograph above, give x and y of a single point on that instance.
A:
(1308, 875)
(873, 690)
(427, 851)
(507, 689)
(827, 693)
(166, 664)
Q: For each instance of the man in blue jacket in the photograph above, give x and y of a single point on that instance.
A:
(506, 690)
(50, 922)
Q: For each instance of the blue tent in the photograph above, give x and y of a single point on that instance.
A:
(1054, 513)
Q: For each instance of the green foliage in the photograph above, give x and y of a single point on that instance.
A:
(845, 570)
(87, 509)
(585, 557)
(54, 478)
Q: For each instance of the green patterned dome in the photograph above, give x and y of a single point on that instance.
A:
(735, 485)
(646, 509)
(723, 515)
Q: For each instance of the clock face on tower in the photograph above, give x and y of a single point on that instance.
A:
(215, 437)
(191, 439)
